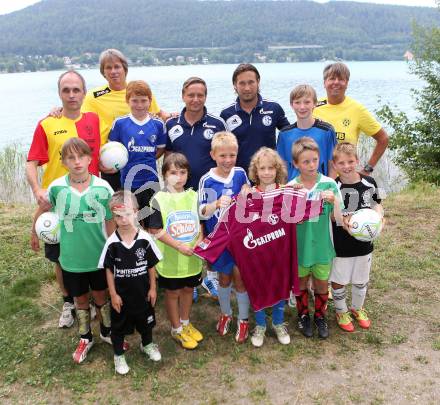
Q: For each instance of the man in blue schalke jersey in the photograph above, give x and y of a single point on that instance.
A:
(253, 119)
(191, 132)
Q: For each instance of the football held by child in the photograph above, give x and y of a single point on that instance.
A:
(352, 263)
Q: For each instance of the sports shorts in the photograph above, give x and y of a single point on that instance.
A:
(78, 284)
(125, 322)
(179, 283)
(354, 270)
(52, 252)
(318, 271)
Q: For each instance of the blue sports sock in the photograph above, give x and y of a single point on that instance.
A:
(224, 299)
(278, 313)
(260, 318)
(243, 305)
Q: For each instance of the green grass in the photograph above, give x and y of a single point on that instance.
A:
(402, 296)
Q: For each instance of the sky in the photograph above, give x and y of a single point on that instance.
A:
(8, 6)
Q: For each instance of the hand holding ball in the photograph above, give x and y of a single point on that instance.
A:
(365, 225)
(114, 155)
(47, 228)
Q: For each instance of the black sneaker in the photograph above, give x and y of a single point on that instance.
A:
(321, 324)
(305, 326)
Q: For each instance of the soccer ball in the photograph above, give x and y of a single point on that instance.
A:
(365, 225)
(114, 155)
(47, 227)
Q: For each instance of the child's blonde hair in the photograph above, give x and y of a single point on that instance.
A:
(223, 139)
(303, 144)
(75, 145)
(280, 166)
(303, 90)
(345, 147)
(123, 197)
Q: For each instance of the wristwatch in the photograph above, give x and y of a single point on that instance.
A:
(368, 168)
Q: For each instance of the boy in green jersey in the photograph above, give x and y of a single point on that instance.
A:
(82, 202)
(315, 246)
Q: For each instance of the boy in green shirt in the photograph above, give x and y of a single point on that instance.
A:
(81, 201)
(315, 246)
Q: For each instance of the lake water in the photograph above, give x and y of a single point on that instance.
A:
(27, 97)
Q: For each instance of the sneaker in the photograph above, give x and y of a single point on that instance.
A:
(282, 334)
(305, 326)
(223, 324)
(344, 321)
(195, 295)
(152, 351)
(82, 349)
(242, 331)
(67, 315)
(193, 332)
(257, 337)
(321, 325)
(361, 317)
(108, 339)
(185, 340)
(121, 366)
(211, 286)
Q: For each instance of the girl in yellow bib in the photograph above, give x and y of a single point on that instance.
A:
(175, 223)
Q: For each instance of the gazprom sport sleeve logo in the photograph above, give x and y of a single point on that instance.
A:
(250, 242)
(182, 226)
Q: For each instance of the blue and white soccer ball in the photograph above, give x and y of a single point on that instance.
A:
(47, 228)
(365, 225)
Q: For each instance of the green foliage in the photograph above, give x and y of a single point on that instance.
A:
(416, 142)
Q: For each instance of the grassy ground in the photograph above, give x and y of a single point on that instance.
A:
(397, 361)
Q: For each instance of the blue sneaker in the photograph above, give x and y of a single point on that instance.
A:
(195, 295)
(211, 286)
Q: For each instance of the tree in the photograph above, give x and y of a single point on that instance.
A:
(416, 144)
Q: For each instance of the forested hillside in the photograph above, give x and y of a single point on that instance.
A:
(336, 29)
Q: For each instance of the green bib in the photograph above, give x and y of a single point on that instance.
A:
(181, 221)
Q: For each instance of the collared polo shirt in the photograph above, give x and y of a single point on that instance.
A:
(255, 129)
(194, 141)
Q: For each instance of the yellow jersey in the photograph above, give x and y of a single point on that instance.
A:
(349, 119)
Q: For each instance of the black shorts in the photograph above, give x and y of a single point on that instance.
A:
(52, 252)
(113, 179)
(125, 322)
(78, 284)
(143, 198)
(179, 283)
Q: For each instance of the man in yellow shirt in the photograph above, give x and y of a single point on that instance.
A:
(348, 117)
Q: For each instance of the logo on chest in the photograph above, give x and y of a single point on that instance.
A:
(233, 122)
(175, 132)
(182, 226)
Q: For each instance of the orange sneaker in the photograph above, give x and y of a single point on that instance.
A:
(344, 321)
(361, 317)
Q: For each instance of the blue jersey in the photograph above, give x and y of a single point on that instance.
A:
(141, 140)
(255, 129)
(212, 187)
(324, 135)
(194, 141)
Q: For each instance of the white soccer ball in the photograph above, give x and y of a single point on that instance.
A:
(365, 225)
(114, 155)
(47, 227)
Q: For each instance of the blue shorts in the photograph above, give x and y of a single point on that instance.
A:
(224, 264)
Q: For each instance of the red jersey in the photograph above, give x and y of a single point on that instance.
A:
(49, 137)
(260, 233)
